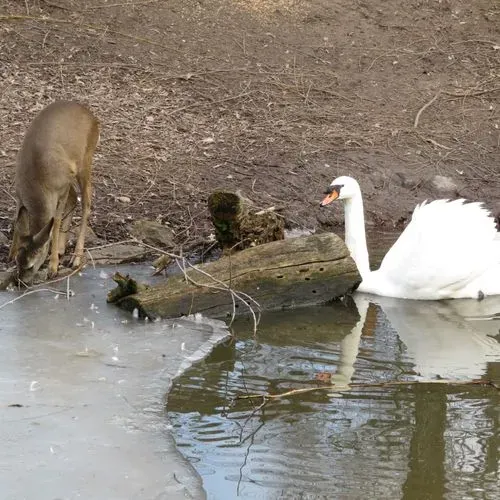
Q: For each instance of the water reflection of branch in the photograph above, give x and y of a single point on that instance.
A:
(250, 437)
(247, 454)
(340, 388)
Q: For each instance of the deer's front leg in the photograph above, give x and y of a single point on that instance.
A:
(54, 248)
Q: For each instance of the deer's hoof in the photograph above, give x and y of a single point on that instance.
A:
(76, 261)
(52, 271)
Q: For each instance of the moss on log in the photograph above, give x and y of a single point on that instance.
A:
(238, 225)
(278, 275)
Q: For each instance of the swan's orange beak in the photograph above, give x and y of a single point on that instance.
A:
(331, 195)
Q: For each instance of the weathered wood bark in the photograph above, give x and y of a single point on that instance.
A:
(238, 225)
(283, 274)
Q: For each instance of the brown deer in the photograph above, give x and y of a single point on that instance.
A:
(56, 155)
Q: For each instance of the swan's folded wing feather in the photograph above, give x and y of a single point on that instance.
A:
(445, 246)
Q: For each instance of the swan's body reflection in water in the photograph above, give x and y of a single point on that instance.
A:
(444, 338)
(409, 442)
(452, 439)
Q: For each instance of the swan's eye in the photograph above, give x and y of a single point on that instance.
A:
(336, 188)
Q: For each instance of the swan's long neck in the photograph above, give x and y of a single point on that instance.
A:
(355, 236)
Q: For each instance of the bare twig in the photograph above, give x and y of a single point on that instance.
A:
(241, 296)
(30, 292)
(93, 27)
(132, 240)
(66, 276)
(225, 285)
(432, 141)
(219, 285)
(182, 266)
(58, 6)
(91, 258)
(423, 108)
(472, 93)
(475, 40)
(85, 65)
(183, 108)
(381, 385)
(123, 4)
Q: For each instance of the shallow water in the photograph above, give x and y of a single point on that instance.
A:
(402, 441)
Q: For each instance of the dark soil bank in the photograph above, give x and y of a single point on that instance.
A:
(273, 97)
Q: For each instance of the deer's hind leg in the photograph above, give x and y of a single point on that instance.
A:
(86, 195)
(85, 183)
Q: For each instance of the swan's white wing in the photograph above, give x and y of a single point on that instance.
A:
(446, 245)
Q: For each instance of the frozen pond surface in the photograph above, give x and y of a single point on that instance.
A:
(82, 396)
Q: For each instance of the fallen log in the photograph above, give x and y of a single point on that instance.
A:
(282, 274)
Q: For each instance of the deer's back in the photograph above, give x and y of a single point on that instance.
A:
(55, 144)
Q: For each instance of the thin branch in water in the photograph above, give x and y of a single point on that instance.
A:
(381, 385)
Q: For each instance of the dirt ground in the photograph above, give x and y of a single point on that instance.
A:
(273, 97)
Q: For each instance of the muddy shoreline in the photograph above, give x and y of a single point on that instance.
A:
(273, 98)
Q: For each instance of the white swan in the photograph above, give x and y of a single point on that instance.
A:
(450, 249)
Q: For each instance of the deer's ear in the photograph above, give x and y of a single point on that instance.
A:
(22, 224)
(21, 231)
(43, 235)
